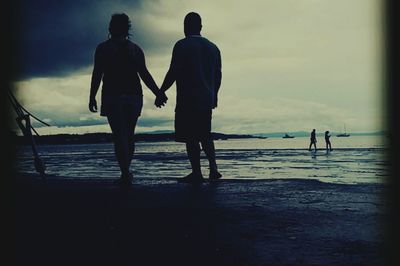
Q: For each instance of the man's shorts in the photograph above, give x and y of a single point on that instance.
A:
(192, 125)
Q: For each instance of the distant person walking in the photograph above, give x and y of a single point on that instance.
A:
(327, 141)
(313, 140)
(118, 62)
(196, 68)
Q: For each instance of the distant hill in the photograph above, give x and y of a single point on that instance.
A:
(107, 137)
(162, 136)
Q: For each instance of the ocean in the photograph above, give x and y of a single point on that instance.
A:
(354, 160)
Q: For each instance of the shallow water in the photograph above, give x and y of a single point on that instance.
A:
(357, 159)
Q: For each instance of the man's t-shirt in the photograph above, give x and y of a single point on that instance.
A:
(120, 63)
(196, 63)
(312, 136)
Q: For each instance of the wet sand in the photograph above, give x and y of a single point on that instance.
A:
(231, 222)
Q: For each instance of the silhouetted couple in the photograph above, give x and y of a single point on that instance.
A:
(313, 141)
(196, 68)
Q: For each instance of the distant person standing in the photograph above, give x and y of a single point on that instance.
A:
(327, 141)
(196, 68)
(313, 140)
(120, 64)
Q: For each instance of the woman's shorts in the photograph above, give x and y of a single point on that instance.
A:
(122, 104)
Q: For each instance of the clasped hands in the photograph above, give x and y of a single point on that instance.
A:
(161, 99)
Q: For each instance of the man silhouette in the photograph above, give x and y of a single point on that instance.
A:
(313, 140)
(196, 68)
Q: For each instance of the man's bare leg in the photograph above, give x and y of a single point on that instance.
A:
(193, 152)
(209, 150)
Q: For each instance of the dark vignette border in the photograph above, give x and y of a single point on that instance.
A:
(9, 69)
(391, 77)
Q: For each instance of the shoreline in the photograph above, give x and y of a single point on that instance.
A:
(232, 222)
(58, 180)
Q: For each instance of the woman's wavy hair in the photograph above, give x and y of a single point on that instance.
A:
(119, 26)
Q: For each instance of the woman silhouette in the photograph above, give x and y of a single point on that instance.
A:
(119, 62)
(327, 141)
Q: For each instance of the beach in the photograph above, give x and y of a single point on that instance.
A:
(231, 222)
(277, 204)
(353, 160)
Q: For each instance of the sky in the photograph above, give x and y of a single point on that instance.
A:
(287, 65)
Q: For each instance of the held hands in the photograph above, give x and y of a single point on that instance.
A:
(92, 105)
(161, 99)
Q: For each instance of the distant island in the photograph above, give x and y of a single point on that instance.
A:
(156, 136)
(90, 138)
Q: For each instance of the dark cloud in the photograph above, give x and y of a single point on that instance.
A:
(57, 37)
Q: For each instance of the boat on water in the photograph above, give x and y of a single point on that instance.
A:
(287, 136)
(345, 134)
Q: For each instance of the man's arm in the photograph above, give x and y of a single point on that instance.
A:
(97, 75)
(170, 77)
(218, 78)
(168, 80)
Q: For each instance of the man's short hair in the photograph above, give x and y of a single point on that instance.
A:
(192, 21)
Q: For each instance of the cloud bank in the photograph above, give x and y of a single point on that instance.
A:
(287, 65)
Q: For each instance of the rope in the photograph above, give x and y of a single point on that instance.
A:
(24, 115)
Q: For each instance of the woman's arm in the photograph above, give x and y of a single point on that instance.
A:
(97, 75)
(149, 81)
(145, 74)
